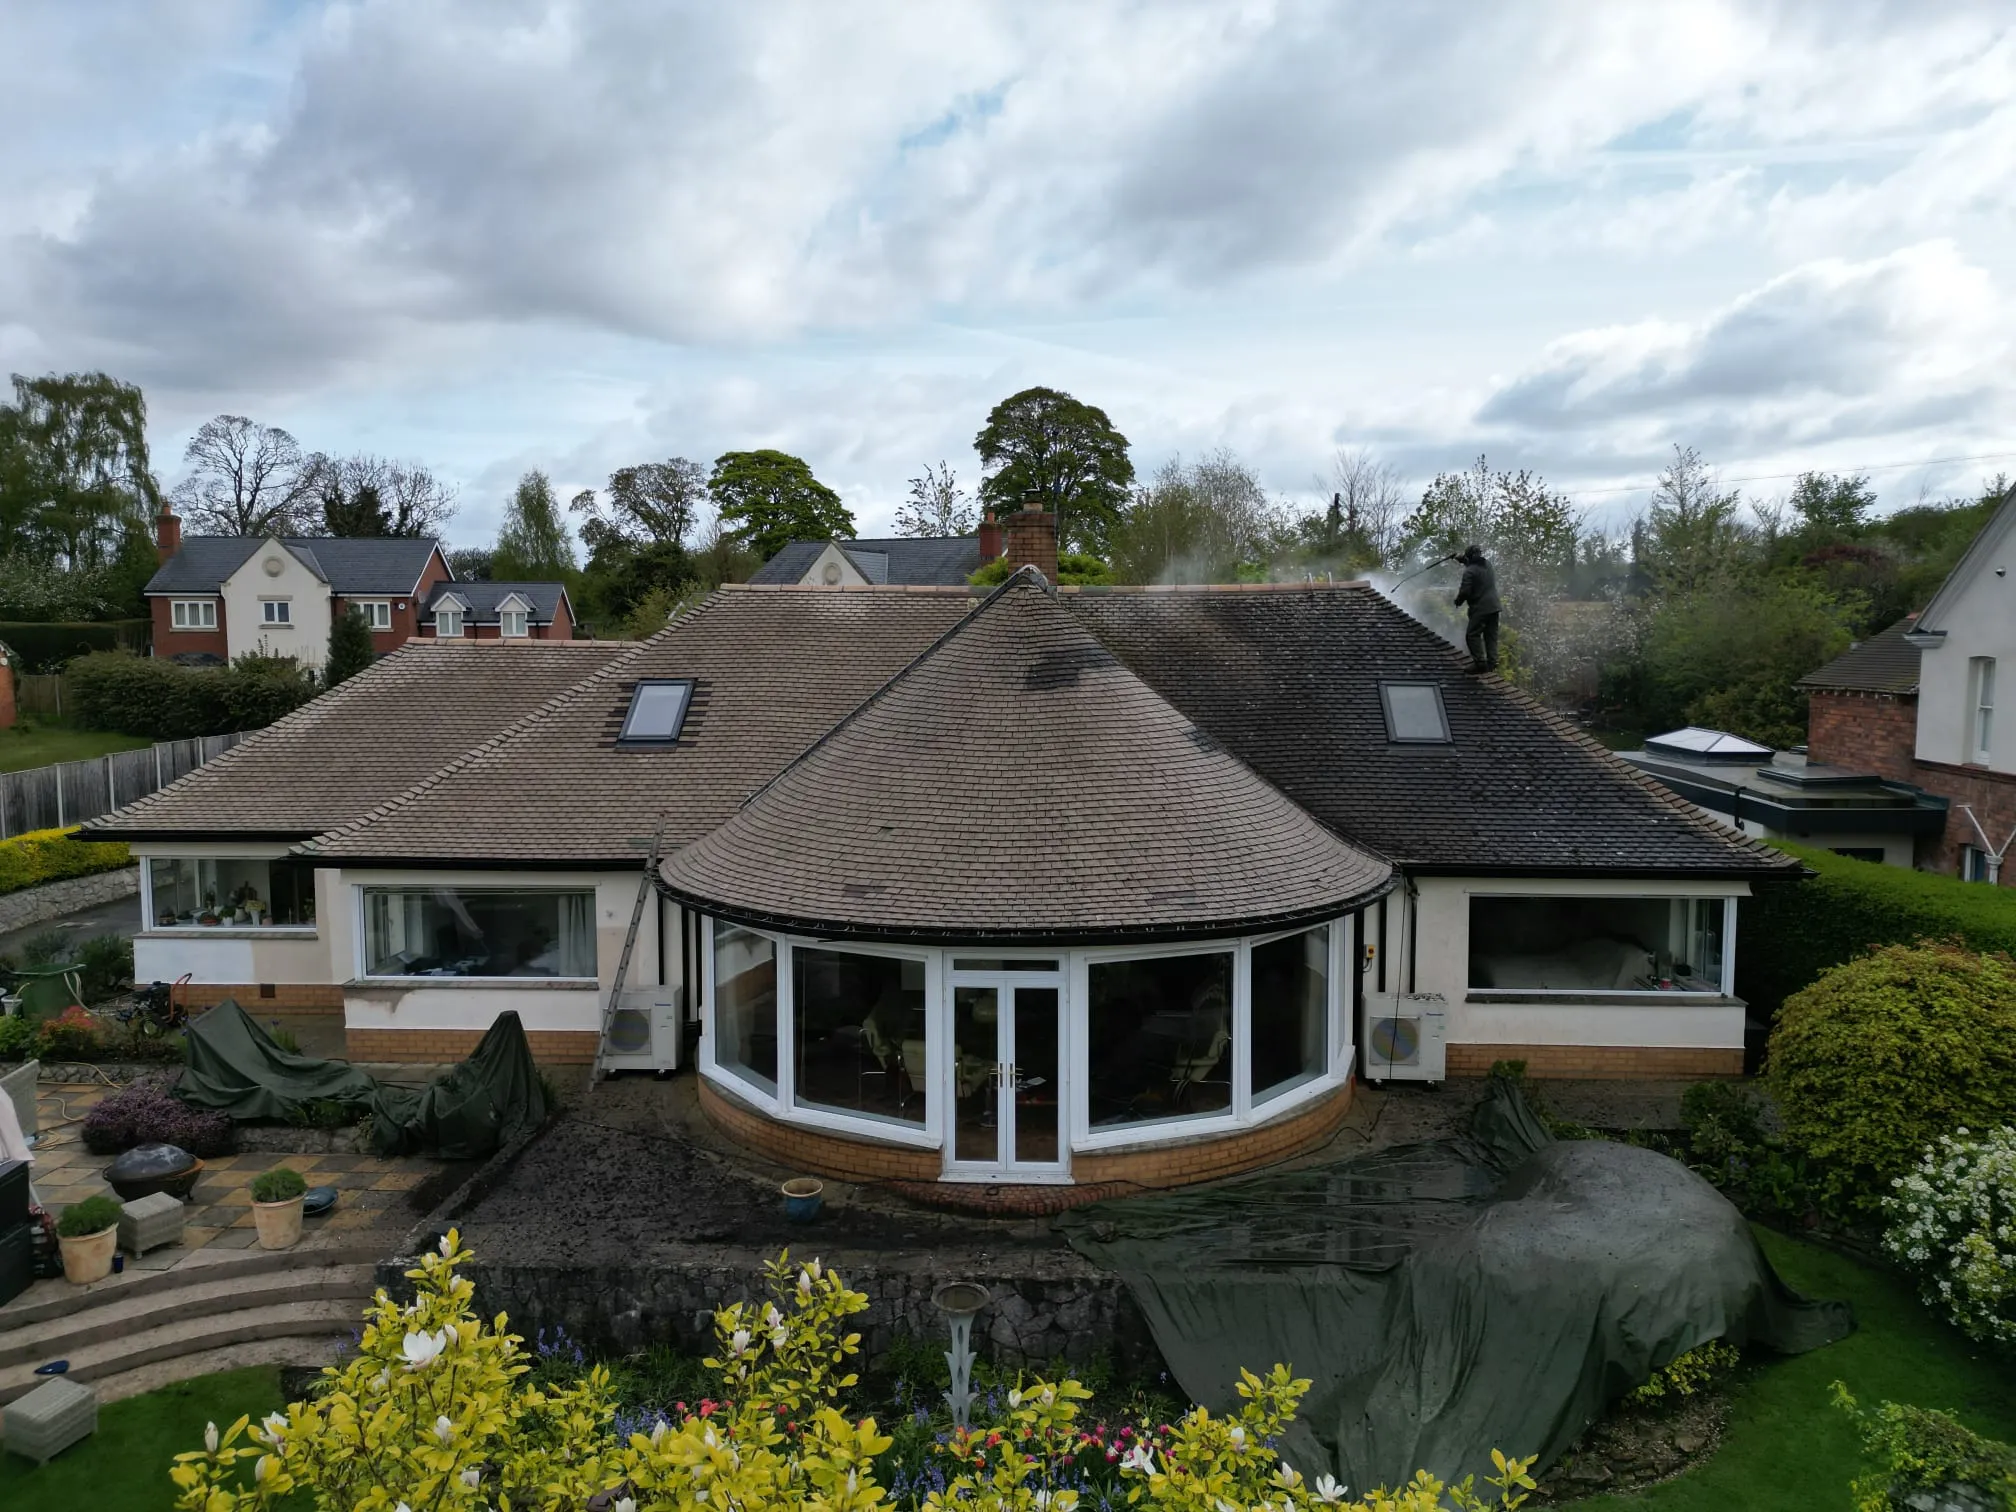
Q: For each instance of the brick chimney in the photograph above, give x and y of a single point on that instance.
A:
(167, 534)
(990, 537)
(1032, 542)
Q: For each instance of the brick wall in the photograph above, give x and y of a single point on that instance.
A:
(1992, 795)
(428, 1047)
(168, 641)
(1865, 732)
(1597, 1062)
(261, 999)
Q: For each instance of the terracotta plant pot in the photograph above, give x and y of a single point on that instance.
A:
(279, 1223)
(88, 1257)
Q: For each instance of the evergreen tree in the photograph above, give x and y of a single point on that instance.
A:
(533, 544)
(769, 498)
(349, 647)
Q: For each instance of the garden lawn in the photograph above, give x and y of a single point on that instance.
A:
(46, 747)
(1788, 1449)
(123, 1467)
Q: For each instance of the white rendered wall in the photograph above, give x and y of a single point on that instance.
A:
(1979, 621)
(307, 638)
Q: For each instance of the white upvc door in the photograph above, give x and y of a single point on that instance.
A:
(1001, 1077)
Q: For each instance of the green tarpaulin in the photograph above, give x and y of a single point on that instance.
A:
(1447, 1299)
(465, 1113)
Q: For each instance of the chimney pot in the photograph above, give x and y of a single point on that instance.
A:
(167, 534)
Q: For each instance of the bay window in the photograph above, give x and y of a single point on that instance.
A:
(238, 892)
(1291, 1012)
(858, 1033)
(479, 932)
(745, 1006)
(1159, 1037)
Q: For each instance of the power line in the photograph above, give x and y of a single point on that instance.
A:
(1780, 477)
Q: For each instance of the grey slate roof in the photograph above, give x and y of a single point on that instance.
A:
(349, 565)
(1884, 663)
(483, 599)
(898, 561)
(1017, 781)
(1288, 679)
(363, 742)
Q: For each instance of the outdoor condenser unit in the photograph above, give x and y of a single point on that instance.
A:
(1408, 1044)
(647, 1030)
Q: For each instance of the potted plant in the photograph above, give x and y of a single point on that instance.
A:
(87, 1233)
(276, 1206)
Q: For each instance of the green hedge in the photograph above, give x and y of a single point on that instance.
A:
(165, 700)
(46, 647)
(51, 855)
(1789, 933)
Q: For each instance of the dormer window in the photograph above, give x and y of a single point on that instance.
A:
(447, 623)
(657, 710)
(512, 624)
(1414, 713)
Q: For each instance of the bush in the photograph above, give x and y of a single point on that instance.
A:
(51, 855)
(1921, 1452)
(281, 1184)
(436, 1410)
(1075, 569)
(144, 1111)
(107, 966)
(73, 1035)
(17, 1037)
(1793, 931)
(1881, 1056)
(164, 700)
(93, 1215)
(1695, 1371)
(1728, 1143)
(1954, 1221)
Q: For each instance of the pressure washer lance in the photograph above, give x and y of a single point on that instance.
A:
(1439, 561)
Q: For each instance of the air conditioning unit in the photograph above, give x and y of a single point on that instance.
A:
(646, 1030)
(1410, 1043)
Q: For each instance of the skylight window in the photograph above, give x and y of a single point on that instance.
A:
(1414, 713)
(657, 710)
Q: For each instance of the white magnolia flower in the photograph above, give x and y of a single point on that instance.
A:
(700, 1495)
(423, 1349)
(1288, 1477)
(1042, 1500)
(1140, 1459)
(738, 1342)
(471, 1479)
(804, 1283)
(1327, 1489)
(850, 1482)
(444, 1430)
(658, 1432)
(264, 1469)
(625, 1504)
(1238, 1436)
(210, 1437)
(1015, 1398)
(275, 1424)
(380, 1381)
(402, 1507)
(779, 1337)
(771, 1317)
(447, 1246)
(814, 1268)
(1225, 1506)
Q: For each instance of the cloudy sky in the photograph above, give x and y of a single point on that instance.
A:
(492, 235)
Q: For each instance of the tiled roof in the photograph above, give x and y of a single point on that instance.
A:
(1884, 663)
(365, 741)
(898, 561)
(1017, 781)
(1288, 680)
(774, 669)
(349, 564)
(483, 599)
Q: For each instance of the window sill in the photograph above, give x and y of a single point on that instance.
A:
(231, 932)
(1536, 995)
(475, 984)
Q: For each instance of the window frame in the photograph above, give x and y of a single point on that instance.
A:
(377, 613)
(284, 619)
(441, 633)
(504, 619)
(1647, 995)
(182, 611)
(623, 735)
(1980, 710)
(150, 915)
(1387, 686)
(361, 928)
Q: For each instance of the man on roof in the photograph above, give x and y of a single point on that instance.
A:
(1479, 589)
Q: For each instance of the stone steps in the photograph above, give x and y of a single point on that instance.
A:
(286, 1349)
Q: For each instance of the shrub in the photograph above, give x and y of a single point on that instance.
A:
(17, 1037)
(281, 1184)
(1881, 1056)
(1921, 1452)
(1954, 1221)
(49, 948)
(53, 854)
(93, 1215)
(1793, 931)
(107, 966)
(1695, 1371)
(1727, 1142)
(1074, 569)
(73, 1035)
(144, 1111)
(165, 700)
(434, 1410)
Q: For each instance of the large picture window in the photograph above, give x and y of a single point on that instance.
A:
(479, 932)
(204, 892)
(1562, 944)
(1291, 1012)
(1159, 1033)
(858, 1034)
(745, 1006)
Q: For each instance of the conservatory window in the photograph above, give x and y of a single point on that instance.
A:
(745, 1006)
(1291, 1012)
(1159, 1038)
(1597, 944)
(479, 932)
(204, 892)
(858, 1033)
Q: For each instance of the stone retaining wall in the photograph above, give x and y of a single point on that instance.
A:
(52, 900)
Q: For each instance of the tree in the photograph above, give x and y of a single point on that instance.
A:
(1694, 534)
(533, 543)
(358, 511)
(769, 498)
(75, 479)
(1044, 446)
(655, 503)
(1832, 506)
(248, 479)
(937, 506)
(1208, 521)
(1360, 527)
(363, 495)
(472, 564)
(350, 650)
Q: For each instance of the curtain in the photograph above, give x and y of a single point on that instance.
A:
(577, 934)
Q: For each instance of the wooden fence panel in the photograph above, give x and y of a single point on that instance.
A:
(73, 791)
(40, 693)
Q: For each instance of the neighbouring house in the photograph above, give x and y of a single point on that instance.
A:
(218, 597)
(1018, 889)
(1915, 706)
(899, 561)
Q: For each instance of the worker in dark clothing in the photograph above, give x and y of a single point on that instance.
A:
(1479, 589)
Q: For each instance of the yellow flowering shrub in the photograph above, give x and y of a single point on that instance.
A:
(433, 1414)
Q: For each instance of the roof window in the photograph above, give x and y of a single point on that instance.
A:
(657, 710)
(1414, 713)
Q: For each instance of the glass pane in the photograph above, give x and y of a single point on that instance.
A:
(745, 1005)
(976, 1053)
(1037, 1085)
(1593, 945)
(656, 710)
(1414, 712)
(1160, 1034)
(230, 892)
(859, 1023)
(478, 932)
(1291, 1011)
(1005, 963)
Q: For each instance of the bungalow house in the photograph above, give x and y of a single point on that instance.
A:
(218, 597)
(1019, 888)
